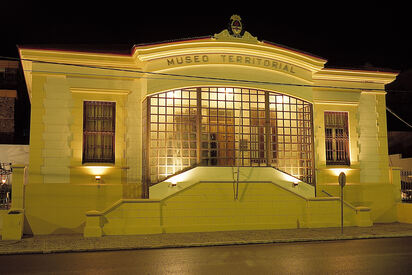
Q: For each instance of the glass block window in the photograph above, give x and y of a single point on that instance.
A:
(225, 126)
(99, 131)
(291, 136)
(337, 138)
(172, 132)
(233, 127)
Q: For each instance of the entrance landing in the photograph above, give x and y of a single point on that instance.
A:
(226, 175)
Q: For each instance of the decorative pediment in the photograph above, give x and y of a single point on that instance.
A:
(235, 32)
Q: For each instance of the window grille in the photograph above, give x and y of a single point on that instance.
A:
(216, 126)
(99, 131)
(337, 138)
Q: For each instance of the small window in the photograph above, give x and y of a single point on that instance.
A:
(337, 138)
(99, 131)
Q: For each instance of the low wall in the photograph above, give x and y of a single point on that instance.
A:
(211, 206)
(404, 211)
(55, 208)
(14, 153)
(381, 198)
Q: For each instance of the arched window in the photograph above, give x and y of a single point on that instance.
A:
(222, 126)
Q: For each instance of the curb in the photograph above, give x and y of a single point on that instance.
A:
(44, 250)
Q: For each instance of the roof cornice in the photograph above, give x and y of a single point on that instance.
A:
(213, 46)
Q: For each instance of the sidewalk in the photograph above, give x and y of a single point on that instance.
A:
(77, 243)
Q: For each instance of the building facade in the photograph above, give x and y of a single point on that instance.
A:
(8, 95)
(212, 133)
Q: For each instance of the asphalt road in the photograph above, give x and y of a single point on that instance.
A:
(373, 256)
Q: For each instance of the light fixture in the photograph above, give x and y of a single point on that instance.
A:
(5, 171)
(173, 183)
(337, 171)
(295, 182)
(98, 170)
(97, 178)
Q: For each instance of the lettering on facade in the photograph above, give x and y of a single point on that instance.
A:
(188, 59)
(232, 59)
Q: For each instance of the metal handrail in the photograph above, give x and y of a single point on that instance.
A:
(327, 193)
(346, 203)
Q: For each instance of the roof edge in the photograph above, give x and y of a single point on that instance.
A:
(364, 69)
(77, 48)
(294, 50)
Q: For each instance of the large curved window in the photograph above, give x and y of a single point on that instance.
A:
(227, 127)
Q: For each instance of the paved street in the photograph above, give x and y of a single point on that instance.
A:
(368, 256)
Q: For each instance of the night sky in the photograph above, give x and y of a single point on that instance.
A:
(347, 34)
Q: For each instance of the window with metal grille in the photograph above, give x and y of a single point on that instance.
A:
(337, 138)
(227, 126)
(99, 131)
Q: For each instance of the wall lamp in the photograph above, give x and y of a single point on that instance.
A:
(295, 183)
(5, 171)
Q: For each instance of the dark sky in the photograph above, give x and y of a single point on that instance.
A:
(346, 34)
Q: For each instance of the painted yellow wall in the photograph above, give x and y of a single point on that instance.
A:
(260, 206)
(210, 206)
(60, 188)
(36, 130)
(60, 208)
(404, 211)
(85, 172)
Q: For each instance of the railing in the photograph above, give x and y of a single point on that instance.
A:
(406, 185)
(344, 202)
(329, 195)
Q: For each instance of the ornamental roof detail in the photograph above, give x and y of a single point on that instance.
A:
(236, 32)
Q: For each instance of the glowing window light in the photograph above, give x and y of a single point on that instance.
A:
(232, 130)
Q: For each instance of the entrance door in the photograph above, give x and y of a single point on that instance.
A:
(219, 150)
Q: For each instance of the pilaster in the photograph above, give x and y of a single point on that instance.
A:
(56, 151)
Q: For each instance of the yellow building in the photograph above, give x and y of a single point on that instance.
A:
(217, 133)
